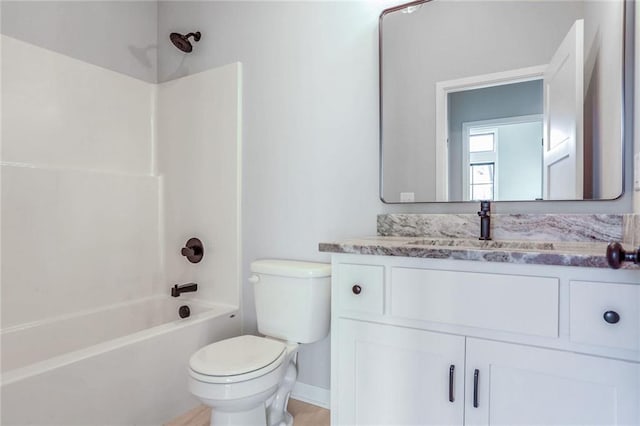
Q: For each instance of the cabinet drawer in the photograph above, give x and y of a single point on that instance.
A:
(361, 288)
(589, 301)
(513, 303)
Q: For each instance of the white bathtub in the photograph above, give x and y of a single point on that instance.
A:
(121, 365)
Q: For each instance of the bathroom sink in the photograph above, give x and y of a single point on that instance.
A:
(481, 244)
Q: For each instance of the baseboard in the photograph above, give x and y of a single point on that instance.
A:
(311, 394)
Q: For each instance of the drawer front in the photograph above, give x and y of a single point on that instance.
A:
(361, 288)
(589, 301)
(513, 303)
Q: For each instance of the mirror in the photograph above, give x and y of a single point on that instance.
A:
(501, 100)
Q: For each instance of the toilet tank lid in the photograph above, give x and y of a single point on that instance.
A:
(291, 268)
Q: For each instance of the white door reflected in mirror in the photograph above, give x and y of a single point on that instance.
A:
(563, 100)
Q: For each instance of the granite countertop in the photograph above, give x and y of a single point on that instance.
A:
(567, 253)
(542, 239)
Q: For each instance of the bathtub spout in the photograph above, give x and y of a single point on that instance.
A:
(177, 290)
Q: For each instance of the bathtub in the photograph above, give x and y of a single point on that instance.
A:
(125, 364)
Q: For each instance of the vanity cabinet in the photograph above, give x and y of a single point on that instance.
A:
(432, 342)
(394, 375)
(523, 385)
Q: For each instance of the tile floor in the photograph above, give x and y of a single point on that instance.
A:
(303, 415)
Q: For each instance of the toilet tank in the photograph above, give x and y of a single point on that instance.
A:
(293, 299)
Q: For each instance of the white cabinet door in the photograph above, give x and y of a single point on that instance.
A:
(397, 376)
(521, 385)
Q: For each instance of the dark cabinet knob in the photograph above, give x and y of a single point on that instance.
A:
(616, 255)
(356, 289)
(612, 317)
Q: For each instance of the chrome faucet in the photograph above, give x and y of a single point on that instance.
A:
(485, 220)
(177, 290)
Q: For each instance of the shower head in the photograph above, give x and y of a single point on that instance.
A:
(182, 41)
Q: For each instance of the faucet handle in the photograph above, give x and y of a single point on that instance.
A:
(485, 208)
(186, 251)
(193, 250)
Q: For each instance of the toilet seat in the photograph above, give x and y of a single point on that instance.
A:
(237, 359)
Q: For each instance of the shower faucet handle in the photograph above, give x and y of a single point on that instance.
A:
(186, 251)
(193, 250)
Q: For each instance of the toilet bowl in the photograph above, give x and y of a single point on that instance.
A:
(237, 376)
(247, 380)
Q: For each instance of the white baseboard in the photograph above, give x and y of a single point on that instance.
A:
(311, 394)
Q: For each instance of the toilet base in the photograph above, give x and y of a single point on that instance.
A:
(254, 417)
(277, 412)
(287, 420)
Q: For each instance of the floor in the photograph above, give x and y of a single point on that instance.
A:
(303, 415)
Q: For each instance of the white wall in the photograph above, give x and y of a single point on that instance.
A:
(603, 56)
(199, 147)
(519, 156)
(79, 207)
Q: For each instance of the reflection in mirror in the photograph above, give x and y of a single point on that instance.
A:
(502, 126)
(510, 100)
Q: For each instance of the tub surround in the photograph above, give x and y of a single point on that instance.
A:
(199, 148)
(110, 201)
(544, 239)
(79, 200)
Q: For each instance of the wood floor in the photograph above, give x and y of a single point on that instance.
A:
(303, 415)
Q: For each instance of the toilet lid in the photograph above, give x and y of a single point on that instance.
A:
(235, 356)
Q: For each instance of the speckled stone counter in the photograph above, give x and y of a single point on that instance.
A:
(544, 239)
(583, 254)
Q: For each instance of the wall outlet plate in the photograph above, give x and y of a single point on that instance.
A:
(407, 197)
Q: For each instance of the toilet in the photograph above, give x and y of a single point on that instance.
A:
(246, 380)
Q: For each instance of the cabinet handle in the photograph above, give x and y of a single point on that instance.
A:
(452, 369)
(356, 289)
(612, 317)
(476, 376)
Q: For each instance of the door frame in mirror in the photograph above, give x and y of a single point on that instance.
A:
(443, 88)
